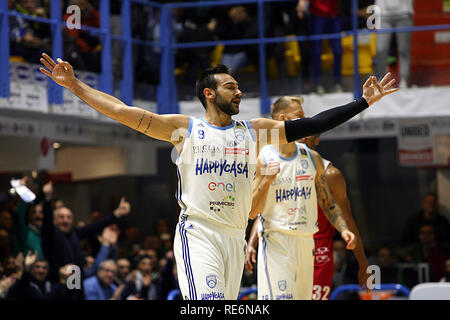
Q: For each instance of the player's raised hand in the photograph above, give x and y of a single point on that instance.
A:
(61, 72)
(374, 91)
(349, 238)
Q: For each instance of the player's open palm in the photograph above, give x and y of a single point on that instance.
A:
(374, 91)
(61, 72)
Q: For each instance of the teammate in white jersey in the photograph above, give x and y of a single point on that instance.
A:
(289, 182)
(215, 167)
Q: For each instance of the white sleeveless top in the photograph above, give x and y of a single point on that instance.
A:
(216, 169)
(291, 202)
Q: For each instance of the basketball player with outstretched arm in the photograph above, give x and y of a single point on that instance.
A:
(289, 184)
(216, 167)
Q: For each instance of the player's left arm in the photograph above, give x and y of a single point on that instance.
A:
(269, 131)
(265, 175)
(338, 188)
(329, 206)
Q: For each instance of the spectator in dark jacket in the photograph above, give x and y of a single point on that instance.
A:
(143, 283)
(61, 241)
(33, 285)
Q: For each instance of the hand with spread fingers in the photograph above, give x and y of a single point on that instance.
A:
(61, 72)
(374, 91)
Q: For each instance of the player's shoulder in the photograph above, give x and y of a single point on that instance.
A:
(265, 151)
(332, 171)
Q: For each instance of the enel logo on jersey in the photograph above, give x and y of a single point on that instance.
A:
(229, 187)
(292, 211)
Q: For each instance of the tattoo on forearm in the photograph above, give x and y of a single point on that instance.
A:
(140, 121)
(330, 208)
(149, 123)
(335, 216)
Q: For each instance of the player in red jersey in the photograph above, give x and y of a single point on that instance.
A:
(323, 262)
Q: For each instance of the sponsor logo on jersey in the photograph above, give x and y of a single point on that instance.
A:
(213, 296)
(292, 211)
(281, 180)
(303, 153)
(227, 201)
(206, 148)
(293, 193)
(284, 296)
(226, 187)
(219, 167)
(322, 254)
(282, 285)
(242, 151)
(211, 281)
(322, 250)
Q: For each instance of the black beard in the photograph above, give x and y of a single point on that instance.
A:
(226, 106)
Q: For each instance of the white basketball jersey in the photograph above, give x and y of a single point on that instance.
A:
(215, 173)
(291, 202)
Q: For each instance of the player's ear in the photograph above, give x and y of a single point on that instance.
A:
(209, 93)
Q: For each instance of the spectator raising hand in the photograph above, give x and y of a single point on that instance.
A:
(109, 236)
(30, 259)
(123, 209)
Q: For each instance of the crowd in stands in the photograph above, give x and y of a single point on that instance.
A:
(425, 240)
(305, 17)
(43, 254)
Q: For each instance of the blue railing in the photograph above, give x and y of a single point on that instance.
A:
(355, 287)
(167, 101)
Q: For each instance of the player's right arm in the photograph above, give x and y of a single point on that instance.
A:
(270, 131)
(151, 124)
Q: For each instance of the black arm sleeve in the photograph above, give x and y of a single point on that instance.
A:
(324, 121)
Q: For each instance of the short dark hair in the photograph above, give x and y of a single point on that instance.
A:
(207, 80)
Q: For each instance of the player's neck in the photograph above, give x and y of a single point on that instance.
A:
(287, 150)
(217, 118)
